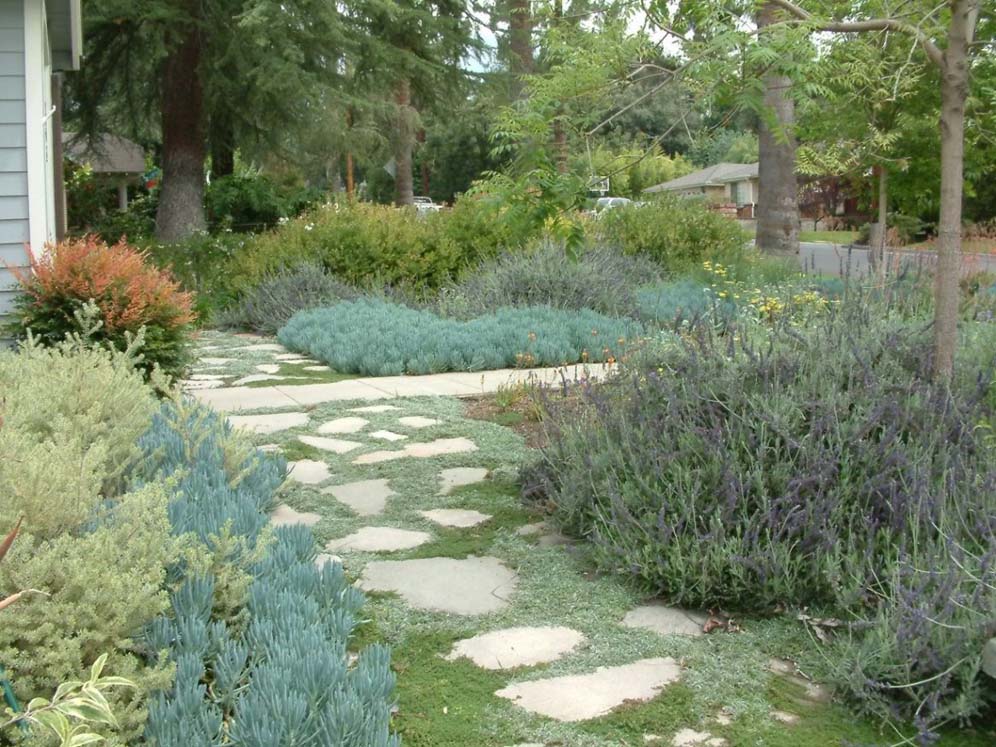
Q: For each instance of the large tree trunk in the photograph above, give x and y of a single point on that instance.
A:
(520, 43)
(778, 193)
(954, 91)
(350, 172)
(181, 200)
(404, 146)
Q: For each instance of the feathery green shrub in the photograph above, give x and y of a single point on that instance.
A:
(367, 244)
(69, 419)
(268, 306)
(378, 338)
(600, 279)
(676, 233)
(100, 585)
(279, 671)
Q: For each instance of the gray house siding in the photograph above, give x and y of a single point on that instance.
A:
(13, 155)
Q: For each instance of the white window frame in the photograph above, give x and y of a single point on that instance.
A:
(38, 126)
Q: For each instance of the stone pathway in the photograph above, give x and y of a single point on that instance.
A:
(385, 488)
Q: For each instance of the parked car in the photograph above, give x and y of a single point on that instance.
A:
(608, 203)
(425, 205)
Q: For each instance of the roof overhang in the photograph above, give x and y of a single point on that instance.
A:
(65, 32)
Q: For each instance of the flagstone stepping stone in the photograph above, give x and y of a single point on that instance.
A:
(279, 421)
(458, 477)
(301, 362)
(269, 448)
(470, 586)
(283, 515)
(335, 445)
(455, 517)
(308, 471)
(325, 558)
(579, 697)
(265, 347)
(692, 738)
(517, 647)
(206, 377)
(289, 357)
(343, 425)
(785, 717)
(268, 368)
(317, 368)
(379, 539)
(528, 530)
(366, 497)
(387, 436)
(660, 618)
(216, 361)
(813, 692)
(427, 450)
(374, 408)
(418, 421)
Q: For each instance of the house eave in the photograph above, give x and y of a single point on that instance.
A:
(65, 29)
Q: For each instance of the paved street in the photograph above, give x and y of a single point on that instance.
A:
(835, 259)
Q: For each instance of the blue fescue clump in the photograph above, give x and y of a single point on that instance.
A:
(278, 672)
(378, 338)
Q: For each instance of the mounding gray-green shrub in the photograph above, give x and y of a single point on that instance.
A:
(600, 279)
(267, 306)
(817, 466)
(378, 338)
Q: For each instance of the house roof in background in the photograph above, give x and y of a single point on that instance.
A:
(110, 154)
(65, 33)
(712, 176)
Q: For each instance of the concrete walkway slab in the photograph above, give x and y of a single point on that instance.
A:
(580, 697)
(229, 399)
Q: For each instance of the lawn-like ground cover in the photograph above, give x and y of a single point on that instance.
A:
(726, 690)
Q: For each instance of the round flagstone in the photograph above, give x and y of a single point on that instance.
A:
(469, 586)
(335, 445)
(418, 421)
(283, 515)
(451, 479)
(343, 425)
(374, 408)
(426, 450)
(365, 497)
(455, 517)
(387, 436)
(665, 620)
(517, 647)
(280, 421)
(268, 368)
(580, 697)
(379, 539)
(692, 738)
(308, 471)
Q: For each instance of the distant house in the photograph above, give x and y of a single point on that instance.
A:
(116, 162)
(38, 39)
(724, 183)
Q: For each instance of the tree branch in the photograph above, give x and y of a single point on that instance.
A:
(873, 24)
